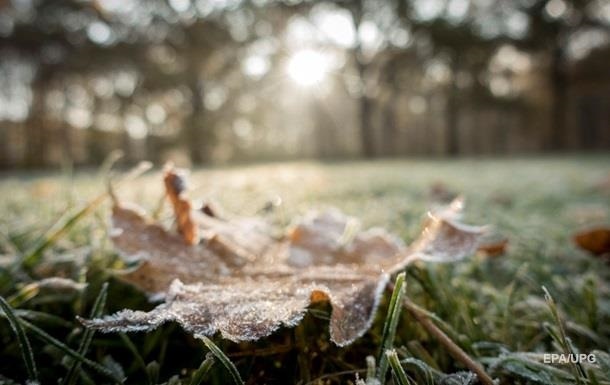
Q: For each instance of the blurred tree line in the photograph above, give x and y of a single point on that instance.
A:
(219, 80)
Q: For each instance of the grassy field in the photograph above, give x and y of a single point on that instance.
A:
(494, 308)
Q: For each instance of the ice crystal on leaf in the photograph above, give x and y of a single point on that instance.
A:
(234, 277)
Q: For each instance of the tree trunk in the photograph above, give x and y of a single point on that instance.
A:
(559, 88)
(452, 113)
(365, 110)
(366, 131)
(390, 131)
(35, 152)
(326, 144)
(195, 137)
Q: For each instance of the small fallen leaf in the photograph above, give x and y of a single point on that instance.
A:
(240, 280)
(493, 248)
(594, 240)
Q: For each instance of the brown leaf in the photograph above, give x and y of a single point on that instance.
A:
(493, 248)
(595, 240)
(241, 281)
(175, 187)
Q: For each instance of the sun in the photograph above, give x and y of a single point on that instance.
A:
(307, 67)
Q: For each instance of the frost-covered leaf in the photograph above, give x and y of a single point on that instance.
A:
(235, 277)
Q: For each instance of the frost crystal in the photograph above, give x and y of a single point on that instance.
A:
(234, 277)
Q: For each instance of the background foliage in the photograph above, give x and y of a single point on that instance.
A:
(223, 80)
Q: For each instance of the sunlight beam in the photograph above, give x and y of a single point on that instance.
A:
(307, 67)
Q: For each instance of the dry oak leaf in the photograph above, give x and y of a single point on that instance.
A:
(242, 282)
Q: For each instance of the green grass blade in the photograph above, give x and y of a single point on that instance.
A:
(152, 371)
(134, 351)
(370, 369)
(45, 337)
(399, 373)
(23, 295)
(204, 368)
(562, 338)
(96, 311)
(56, 232)
(22, 339)
(42, 317)
(63, 226)
(428, 372)
(223, 359)
(110, 160)
(389, 327)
